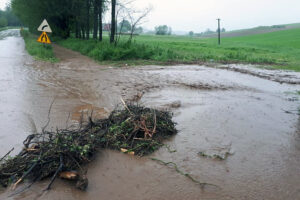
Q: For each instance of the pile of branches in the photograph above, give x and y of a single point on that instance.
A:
(134, 130)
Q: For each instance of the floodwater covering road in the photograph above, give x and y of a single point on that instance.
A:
(250, 121)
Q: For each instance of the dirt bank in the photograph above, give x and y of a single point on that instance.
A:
(218, 111)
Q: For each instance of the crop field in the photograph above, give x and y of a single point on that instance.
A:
(279, 49)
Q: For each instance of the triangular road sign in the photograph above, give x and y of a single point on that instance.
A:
(44, 38)
(44, 27)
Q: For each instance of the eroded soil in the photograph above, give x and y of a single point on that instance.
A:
(252, 121)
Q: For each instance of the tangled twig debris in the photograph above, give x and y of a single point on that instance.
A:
(138, 130)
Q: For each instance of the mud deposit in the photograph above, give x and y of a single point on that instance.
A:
(218, 111)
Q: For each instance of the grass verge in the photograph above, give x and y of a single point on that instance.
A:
(278, 50)
(134, 52)
(3, 28)
(38, 50)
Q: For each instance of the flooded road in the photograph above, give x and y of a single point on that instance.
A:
(249, 120)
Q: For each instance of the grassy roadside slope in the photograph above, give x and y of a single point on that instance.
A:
(279, 49)
(37, 50)
(3, 28)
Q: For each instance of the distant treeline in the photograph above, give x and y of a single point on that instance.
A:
(7, 18)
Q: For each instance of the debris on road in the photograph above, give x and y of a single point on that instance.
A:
(135, 130)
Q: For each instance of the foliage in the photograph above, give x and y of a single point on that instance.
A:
(125, 26)
(38, 50)
(136, 130)
(7, 18)
(3, 22)
(63, 16)
(163, 30)
(103, 51)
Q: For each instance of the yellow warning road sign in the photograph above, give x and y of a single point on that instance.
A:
(44, 38)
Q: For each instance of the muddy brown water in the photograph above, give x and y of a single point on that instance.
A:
(218, 111)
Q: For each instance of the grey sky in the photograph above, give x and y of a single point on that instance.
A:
(198, 15)
(3, 3)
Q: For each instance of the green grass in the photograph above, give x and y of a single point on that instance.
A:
(38, 50)
(279, 49)
(3, 28)
(133, 52)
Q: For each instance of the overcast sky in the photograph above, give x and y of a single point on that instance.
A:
(198, 15)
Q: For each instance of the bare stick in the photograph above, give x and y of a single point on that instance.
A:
(56, 173)
(49, 111)
(24, 175)
(6, 154)
(125, 105)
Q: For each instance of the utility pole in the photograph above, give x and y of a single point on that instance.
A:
(219, 31)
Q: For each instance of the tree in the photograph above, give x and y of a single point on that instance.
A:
(191, 33)
(139, 30)
(223, 30)
(96, 14)
(100, 10)
(208, 31)
(113, 21)
(137, 20)
(130, 18)
(11, 19)
(124, 26)
(163, 30)
(88, 7)
(170, 31)
(3, 22)
(63, 16)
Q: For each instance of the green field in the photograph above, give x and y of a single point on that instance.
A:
(279, 49)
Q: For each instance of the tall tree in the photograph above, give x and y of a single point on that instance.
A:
(96, 14)
(113, 21)
(101, 10)
(88, 6)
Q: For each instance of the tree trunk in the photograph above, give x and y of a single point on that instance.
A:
(76, 29)
(113, 21)
(88, 19)
(83, 32)
(100, 9)
(95, 33)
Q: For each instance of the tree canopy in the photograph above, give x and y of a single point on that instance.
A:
(7, 18)
(62, 15)
(163, 30)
